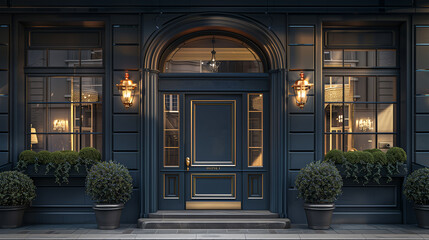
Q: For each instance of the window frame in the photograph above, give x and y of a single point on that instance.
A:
(79, 72)
(375, 71)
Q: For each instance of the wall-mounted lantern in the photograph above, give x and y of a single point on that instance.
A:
(301, 88)
(126, 88)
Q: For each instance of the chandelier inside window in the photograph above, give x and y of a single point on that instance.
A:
(213, 64)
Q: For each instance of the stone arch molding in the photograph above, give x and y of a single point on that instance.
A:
(257, 33)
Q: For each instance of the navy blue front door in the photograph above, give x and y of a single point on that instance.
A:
(214, 151)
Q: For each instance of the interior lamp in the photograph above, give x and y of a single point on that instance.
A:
(301, 88)
(33, 139)
(213, 64)
(127, 88)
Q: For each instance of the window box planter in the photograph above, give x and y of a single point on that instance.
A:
(402, 171)
(31, 171)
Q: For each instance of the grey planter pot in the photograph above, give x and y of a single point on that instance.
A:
(319, 216)
(108, 216)
(422, 215)
(11, 216)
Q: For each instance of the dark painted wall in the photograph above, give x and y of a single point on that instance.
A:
(125, 36)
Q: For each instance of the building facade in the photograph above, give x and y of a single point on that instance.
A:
(214, 123)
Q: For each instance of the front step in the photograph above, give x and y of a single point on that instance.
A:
(213, 223)
(235, 214)
(214, 219)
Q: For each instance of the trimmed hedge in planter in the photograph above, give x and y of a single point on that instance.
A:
(369, 165)
(60, 163)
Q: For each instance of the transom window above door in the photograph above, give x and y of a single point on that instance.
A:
(213, 54)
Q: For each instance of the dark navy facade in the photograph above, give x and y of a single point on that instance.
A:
(242, 132)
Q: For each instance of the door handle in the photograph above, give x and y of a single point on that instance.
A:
(188, 163)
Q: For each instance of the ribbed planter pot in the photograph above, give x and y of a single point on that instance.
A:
(11, 216)
(319, 216)
(108, 216)
(422, 215)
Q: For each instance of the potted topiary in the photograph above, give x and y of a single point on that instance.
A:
(319, 184)
(110, 186)
(17, 191)
(416, 189)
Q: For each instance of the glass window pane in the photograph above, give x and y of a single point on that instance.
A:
(255, 120)
(61, 89)
(386, 89)
(92, 89)
(171, 120)
(386, 58)
(333, 89)
(386, 141)
(359, 142)
(36, 58)
(333, 141)
(255, 157)
(359, 89)
(359, 58)
(208, 54)
(63, 58)
(363, 118)
(92, 57)
(36, 115)
(255, 138)
(333, 58)
(386, 116)
(171, 138)
(171, 157)
(334, 118)
(36, 89)
(88, 140)
(255, 102)
(59, 118)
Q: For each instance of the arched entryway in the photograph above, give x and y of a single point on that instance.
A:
(187, 113)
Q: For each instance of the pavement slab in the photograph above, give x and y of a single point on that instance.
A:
(297, 231)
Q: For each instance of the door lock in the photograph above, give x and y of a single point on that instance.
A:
(188, 163)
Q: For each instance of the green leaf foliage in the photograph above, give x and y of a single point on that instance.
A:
(366, 166)
(109, 182)
(71, 157)
(335, 156)
(16, 189)
(396, 155)
(26, 158)
(416, 187)
(44, 157)
(90, 154)
(319, 182)
(380, 157)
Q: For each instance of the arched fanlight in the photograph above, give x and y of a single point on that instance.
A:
(127, 88)
(301, 88)
(213, 64)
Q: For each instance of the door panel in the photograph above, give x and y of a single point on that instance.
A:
(213, 144)
(213, 132)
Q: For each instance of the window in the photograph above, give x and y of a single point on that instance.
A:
(360, 103)
(196, 55)
(64, 108)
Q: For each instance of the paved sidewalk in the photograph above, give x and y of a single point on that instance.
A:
(340, 231)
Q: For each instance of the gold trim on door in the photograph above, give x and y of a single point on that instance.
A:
(233, 135)
(209, 205)
(231, 195)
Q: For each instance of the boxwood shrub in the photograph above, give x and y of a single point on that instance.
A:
(335, 156)
(109, 182)
(16, 189)
(319, 182)
(416, 187)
